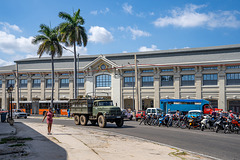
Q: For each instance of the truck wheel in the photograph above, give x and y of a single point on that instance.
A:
(83, 120)
(102, 121)
(119, 122)
(93, 122)
(76, 119)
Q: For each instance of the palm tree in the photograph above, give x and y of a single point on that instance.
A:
(72, 32)
(50, 45)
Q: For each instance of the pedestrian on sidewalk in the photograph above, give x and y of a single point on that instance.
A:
(49, 116)
(68, 112)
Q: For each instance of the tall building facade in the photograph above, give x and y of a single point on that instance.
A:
(211, 73)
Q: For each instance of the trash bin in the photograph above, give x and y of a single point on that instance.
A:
(3, 117)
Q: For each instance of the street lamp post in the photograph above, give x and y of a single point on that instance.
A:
(132, 86)
(75, 73)
(9, 90)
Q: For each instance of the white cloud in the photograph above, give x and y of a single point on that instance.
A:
(5, 63)
(135, 32)
(105, 11)
(127, 8)
(189, 17)
(69, 51)
(7, 27)
(10, 44)
(94, 12)
(144, 48)
(99, 35)
(151, 13)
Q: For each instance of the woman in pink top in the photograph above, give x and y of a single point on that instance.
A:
(49, 116)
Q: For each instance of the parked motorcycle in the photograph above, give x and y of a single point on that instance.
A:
(233, 125)
(220, 124)
(194, 122)
(208, 122)
(163, 120)
(183, 122)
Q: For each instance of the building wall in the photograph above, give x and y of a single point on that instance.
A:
(162, 63)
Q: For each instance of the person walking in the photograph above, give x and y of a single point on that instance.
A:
(49, 116)
(68, 112)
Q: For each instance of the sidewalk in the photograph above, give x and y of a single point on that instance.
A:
(88, 144)
(6, 129)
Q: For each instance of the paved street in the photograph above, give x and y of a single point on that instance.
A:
(218, 145)
(74, 142)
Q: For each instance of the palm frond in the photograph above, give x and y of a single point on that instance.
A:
(38, 39)
(65, 16)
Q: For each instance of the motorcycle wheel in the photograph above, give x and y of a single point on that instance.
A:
(225, 130)
(183, 125)
(217, 129)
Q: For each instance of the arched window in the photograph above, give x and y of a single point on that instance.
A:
(103, 80)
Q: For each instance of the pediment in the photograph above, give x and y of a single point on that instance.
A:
(100, 63)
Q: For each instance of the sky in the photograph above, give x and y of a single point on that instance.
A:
(121, 26)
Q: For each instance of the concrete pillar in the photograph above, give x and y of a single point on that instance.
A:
(89, 86)
(56, 87)
(116, 89)
(156, 90)
(121, 91)
(71, 87)
(17, 88)
(177, 81)
(42, 87)
(139, 99)
(198, 83)
(29, 88)
(4, 93)
(222, 101)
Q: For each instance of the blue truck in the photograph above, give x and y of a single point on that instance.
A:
(185, 105)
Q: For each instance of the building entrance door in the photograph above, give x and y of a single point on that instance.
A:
(234, 105)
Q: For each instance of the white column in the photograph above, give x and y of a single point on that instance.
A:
(222, 101)
(177, 83)
(4, 93)
(29, 88)
(138, 88)
(116, 90)
(56, 87)
(156, 90)
(42, 87)
(89, 88)
(71, 81)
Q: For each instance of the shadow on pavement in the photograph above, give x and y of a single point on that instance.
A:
(40, 147)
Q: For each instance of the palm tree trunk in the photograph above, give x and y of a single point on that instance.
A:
(75, 72)
(52, 81)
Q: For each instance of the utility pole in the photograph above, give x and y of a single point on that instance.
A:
(136, 84)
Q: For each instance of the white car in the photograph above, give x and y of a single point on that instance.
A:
(154, 111)
(17, 113)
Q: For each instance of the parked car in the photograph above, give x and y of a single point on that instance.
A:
(18, 113)
(127, 114)
(140, 114)
(195, 113)
(154, 111)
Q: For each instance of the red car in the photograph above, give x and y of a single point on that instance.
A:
(140, 114)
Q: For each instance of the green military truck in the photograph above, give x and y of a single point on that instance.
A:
(98, 111)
